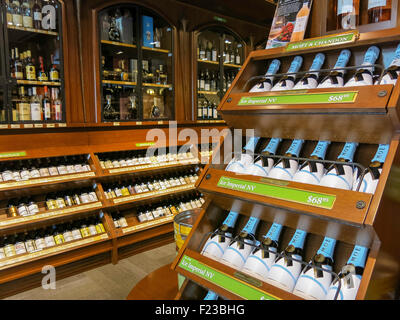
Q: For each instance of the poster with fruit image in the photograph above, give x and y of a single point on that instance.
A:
(290, 22)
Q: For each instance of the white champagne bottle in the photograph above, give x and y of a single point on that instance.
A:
(341, 176)
(239, 164)
(287, 82)
(371, 178)
(350, 276)
(310, 79)
(259, 263)
(241, 246)
(211, 295)
(268, 82)
(313, 283)
(311, 172)
(285, 272)
(286, 168)
(216, 245)
(263, 164)
(392, 72)
(364, 75)
(335, 78)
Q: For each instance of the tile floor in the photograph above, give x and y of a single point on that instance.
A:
(107, 282)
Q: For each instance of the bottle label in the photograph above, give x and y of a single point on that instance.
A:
(296, 64)
(318, 62)
(274, 232)
(54, 75)
(376, 3)
(274, 67)
(272, 145)
(348, 151)
(327, 247)
(301, 24)
(251, 144)
(35, 111)
(37, 16)
(344, 6)
(381, 153)
(358, 256)
(298, 239)
(230, 220)
(343, 59)
(251, 225)
(214, 55)
(295, 147)
(320, 149)
(27, 21)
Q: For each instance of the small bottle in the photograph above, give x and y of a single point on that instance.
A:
(347, 14)
(364, 75)
(301, 23)
(33, 208)
(91, 226)
(22, 208)
(67, 232)
(342, 176)
(48, 238)
(9, 247)
(12, 210)
(43, 166)
(311, 172)
(39, 240)
(310, 79)
(379, 11)
(286, 168)
(2, 252)
(263, 164)
(76, 233)
(57, 234)
(141, 215)
(51, 203)
(241, 246)
(99, 226)
(285, 265)
(268, 82)
(313, 283)
(84, 230)
(335, 78)
(20, 244)
(287, 82)
(30, 242)
(246, 158)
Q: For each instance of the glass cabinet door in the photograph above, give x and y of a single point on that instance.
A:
(220, 55)
(33, 48)
(136, 65)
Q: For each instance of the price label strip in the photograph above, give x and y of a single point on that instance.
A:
(148, 224)
(154, 165)
(310, 198)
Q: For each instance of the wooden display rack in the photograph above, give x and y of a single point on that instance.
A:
(370, 116)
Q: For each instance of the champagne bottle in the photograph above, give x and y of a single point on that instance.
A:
(286, 168)
(241, 246)
(240, 163)
(259, 263)
(211, 295)
(350, 276)
(391, 74)
(287, 82)
(220, 239)
(313, 283)
(374, 170)
(285, 271)
(335, 78)
(364, 75)
(311, 172)
(342, 175)
(263, 164)
(267, 84)
(310, 79)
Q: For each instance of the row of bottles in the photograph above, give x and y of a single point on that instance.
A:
(207, 110)
(39, 239)
(148, 184)
(37, 168)
(211, 81)
(342, 175)
(260, 259)
(209, 51)
(120, 159)
(363, 76)
(34, 14)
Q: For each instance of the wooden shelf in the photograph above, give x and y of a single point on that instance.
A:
(39, 83)
(140, 226)
(122, 83)
(208, 61)
(156, 50)
(232, 65)
(52, 33)
(118, 44)
(157, 85)
(208, 92)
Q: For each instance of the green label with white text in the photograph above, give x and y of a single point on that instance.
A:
(304, 98)
(145, 144)
(322, 42)
(310, 198)
(12, 154)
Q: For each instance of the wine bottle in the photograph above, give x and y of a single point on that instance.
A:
(350, 276)
(374, 170)
(220, 239)
(287, 82)
(335, 78)
(240, 163)
(259, 263)
(311, 172)
(263, 164)
(341, 176)
(347, 14)
(364, 75)
(268, 82)
(391, 74)
(286, 168)
(285, 271)
(379, 10)
(310, 79)
(313, 283)
(211, 295)
(241, 246)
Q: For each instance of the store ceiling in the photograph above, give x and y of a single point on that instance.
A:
(257, 11)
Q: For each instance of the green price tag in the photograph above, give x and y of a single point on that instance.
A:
(314, 199)
(303, 98)
(145, 144)
(12, 154)
(224, 281)
(336, 39)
